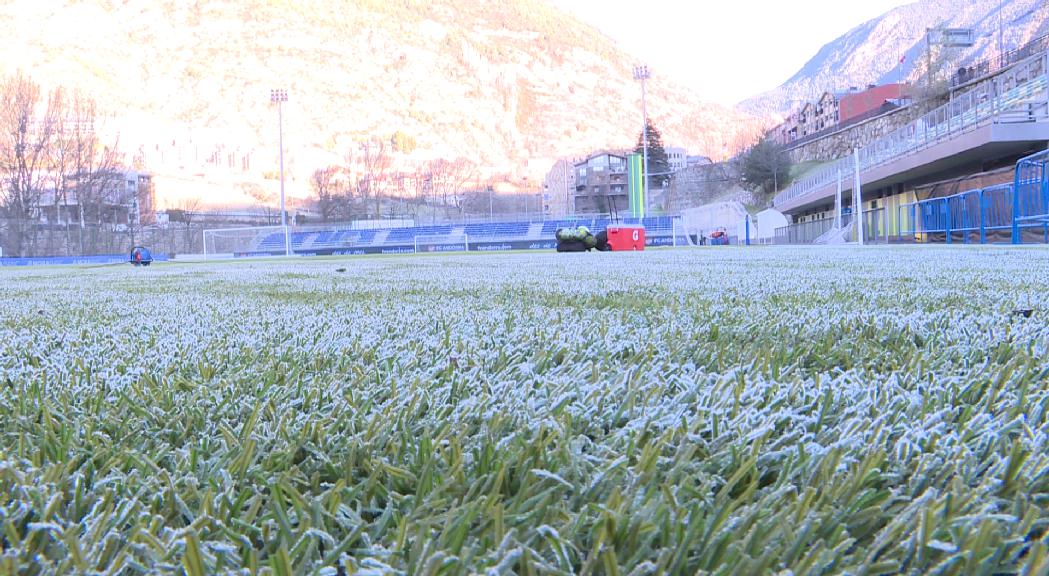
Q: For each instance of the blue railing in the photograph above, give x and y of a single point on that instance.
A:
(1031, 199)
(971, 215)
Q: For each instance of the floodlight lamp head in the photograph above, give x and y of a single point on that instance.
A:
(278, 95)
(641, 73)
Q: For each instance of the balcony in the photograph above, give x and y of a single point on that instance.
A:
(1011, 107)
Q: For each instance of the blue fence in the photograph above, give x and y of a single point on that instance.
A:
(1031, 197)
(77, 260)
(979, 215)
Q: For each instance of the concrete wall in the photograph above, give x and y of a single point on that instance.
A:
(841, 143)
(706, 219)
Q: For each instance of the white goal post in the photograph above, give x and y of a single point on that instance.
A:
(442, 243)
(226, 242)
(682, 236)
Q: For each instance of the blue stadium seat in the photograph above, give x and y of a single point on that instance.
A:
(498, 230)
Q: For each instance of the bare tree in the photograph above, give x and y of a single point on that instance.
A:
(372, 184)
(416, 190)
(188, 212)
(27, 126)
(92, 171)
(449, 179)
(61, 158)
(331, 196)
(931, 79)
(264, 203)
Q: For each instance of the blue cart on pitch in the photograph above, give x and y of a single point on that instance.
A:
(141, 256)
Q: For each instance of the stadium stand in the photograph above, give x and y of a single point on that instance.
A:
(407, 236)
(494, 235)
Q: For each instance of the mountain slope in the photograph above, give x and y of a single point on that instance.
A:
(871, 52)
(510, 84)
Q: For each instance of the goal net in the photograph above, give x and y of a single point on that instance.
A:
(683, 236)
(442, 243)
(229, 242)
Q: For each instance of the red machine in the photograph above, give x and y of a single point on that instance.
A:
(626, 237)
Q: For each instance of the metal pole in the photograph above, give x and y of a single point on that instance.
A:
(280, 96)
(644, 130)
(748, 229)
(204, 242)
(885, 224)
(914, 219)
(967, 223)
(1001, 42)
(1016, 206)
(837, 200)
(947, 218)
(641, 73)
(983, 218)
(857, 194)
(283, 212)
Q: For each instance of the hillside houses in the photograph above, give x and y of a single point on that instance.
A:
(834, 111)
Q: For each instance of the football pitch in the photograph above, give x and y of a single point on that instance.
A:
(874, 410)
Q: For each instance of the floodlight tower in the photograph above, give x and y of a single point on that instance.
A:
(279, 97)
(642, 74)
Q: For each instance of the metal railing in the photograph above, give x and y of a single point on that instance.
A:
(32, 238)
(1008, 212)
(1002, 61)
(875, 229)
(803, 232)
(967, 216)
(1009, 97)
(875, 226)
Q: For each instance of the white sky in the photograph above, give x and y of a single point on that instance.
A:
(727, 50)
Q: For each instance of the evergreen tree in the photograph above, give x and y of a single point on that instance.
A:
(658, 164)
(766, 166)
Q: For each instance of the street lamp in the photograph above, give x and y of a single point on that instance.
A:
(279, 97)
(641, 74)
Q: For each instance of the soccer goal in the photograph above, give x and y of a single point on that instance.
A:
(229, 242)
(442, 243)
(683, 236)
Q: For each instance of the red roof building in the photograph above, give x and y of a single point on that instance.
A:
(871, 100)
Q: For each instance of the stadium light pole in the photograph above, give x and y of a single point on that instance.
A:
(279, 97)
(857, 196)
(641, 73)
(837, 201)
(1001, 40)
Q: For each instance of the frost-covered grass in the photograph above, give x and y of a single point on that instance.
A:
(726, 410)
